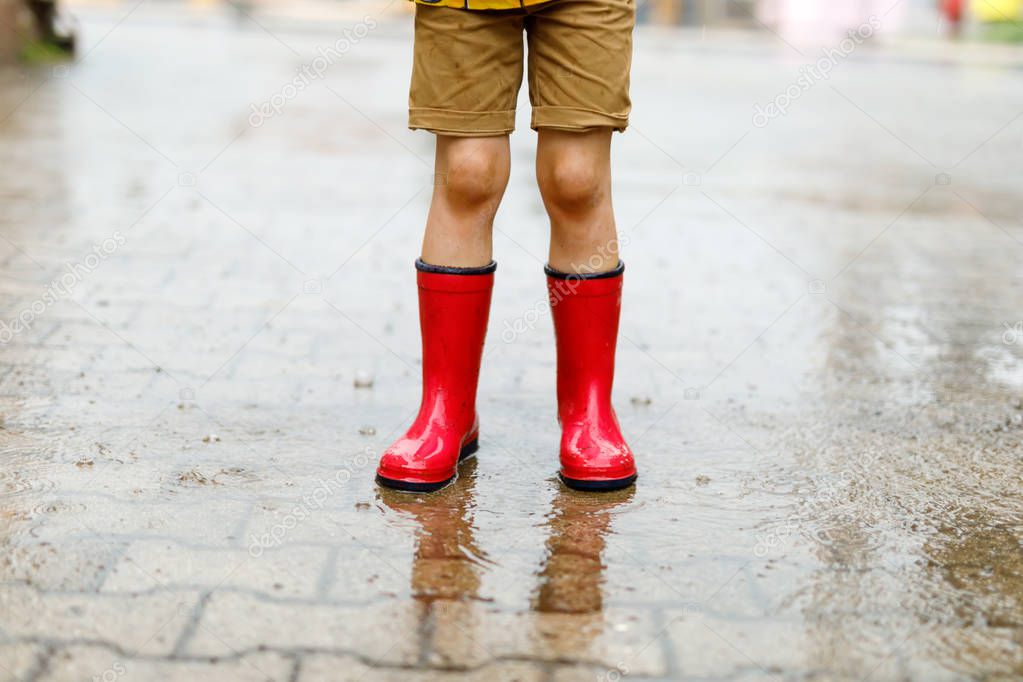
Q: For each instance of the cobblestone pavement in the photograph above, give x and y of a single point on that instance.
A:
(819, 368)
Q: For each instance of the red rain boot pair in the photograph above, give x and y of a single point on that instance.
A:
(454, 305)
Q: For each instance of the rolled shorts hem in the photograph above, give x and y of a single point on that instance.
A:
(462, 123)
(576, 118)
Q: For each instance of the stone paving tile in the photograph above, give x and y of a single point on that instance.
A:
(712, 648)
(232, 623)
(359, 574)
(94, 663)
(110, 520)
(303, 521)
(318, 667)
(715, 584)
(44, 565)
(584, 673)
(706, 647)
(144, 624)
(293, 572)
(17, 661)
(468, 635)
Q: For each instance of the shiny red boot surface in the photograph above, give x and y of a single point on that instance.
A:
(586, 308)
(454, 304)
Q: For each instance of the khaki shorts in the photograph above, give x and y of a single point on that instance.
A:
(468, 67)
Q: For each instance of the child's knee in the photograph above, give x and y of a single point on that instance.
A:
(476, 176)
(572, 184)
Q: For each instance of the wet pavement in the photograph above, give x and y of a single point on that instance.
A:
(210, 332)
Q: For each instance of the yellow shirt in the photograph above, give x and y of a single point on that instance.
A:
(482, 4)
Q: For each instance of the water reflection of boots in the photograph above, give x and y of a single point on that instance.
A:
(446, 563)
(571, 578)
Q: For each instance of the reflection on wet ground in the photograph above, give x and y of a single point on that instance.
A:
(446, 563)
(820, 371)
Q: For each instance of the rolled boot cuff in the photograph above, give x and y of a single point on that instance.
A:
(455, 280)
(561, 285)
(558, 274)
(423, 266)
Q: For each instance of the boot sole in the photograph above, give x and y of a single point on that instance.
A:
(468, 450)
(598, 486)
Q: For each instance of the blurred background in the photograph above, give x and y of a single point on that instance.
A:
(209, 213)
(32, 27)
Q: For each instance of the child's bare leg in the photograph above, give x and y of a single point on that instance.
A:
(573, 170)
(471, 175)
(455, 279)
(584, 280)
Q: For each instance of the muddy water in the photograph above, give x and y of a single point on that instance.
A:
(819, 370)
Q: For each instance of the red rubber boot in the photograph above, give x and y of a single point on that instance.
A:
(586, 309)
(454, 304)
